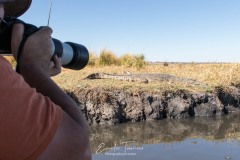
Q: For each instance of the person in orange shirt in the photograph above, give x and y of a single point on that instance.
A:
(37, 119)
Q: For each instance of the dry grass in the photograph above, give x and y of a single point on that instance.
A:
(211, 74)
(216, 74)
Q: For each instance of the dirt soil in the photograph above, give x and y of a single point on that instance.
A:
(112, 106)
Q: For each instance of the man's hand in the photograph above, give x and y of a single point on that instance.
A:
(37, 51)
(54, 67)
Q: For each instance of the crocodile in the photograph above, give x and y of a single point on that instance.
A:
(144, 78)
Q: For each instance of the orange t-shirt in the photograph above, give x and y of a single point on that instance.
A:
(28, 120)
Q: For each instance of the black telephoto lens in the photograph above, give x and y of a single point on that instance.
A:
(74, 56)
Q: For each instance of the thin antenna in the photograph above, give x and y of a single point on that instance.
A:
(49, 16)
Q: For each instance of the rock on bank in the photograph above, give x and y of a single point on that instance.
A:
(112, 106)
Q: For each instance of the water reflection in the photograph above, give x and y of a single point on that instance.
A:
(219, 130)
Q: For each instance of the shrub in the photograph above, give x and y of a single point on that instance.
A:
(165, 64)
(139, 61)
(93, 59)
(126, 60)
(107, 58)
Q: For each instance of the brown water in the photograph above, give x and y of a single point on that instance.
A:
(187, 139)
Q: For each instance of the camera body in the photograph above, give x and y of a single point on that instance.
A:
(73, 55)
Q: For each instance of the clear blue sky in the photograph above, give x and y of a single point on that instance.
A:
(162, 30)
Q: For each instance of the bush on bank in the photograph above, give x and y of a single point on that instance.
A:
(108, 58)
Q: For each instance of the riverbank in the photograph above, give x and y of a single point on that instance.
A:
(111, 101)
(112, 106)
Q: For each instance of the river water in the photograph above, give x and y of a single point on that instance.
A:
(185, 139)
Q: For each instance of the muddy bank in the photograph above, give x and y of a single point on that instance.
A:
(112, 106)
